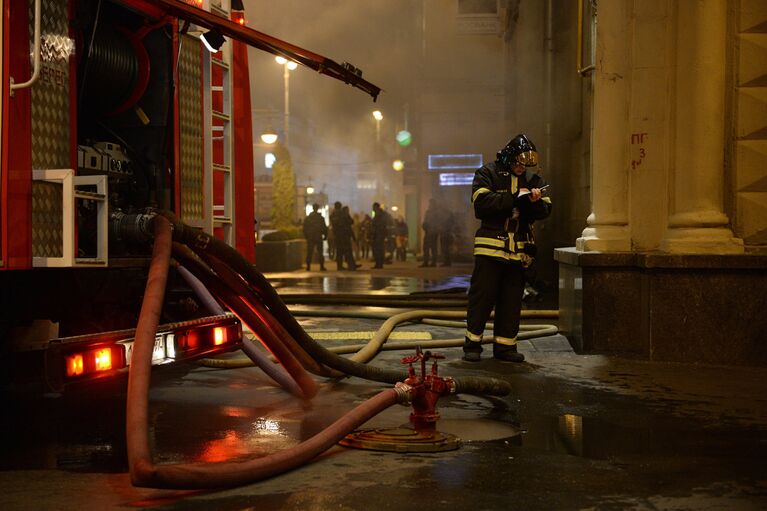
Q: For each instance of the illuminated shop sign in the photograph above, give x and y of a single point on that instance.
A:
(456, 179)
(455, 161)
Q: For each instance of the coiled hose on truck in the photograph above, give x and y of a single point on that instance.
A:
(143, 471)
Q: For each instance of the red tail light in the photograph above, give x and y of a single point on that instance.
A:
(103, 359)
(94, 361)
(201, 339)
(219, 336)
(74, 365)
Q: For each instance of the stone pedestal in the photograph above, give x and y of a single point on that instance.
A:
(274, 256)
(665, 307)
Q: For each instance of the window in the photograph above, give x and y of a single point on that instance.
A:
(474, 7)
(269, 160)
(366, 184)
(478, 17)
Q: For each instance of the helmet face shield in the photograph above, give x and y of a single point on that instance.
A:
(519, 150)
(528, 158)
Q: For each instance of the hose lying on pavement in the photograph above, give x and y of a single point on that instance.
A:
(258, 307)
(276, 313)
(380, 337)
(341, 313)
(144, 472)
(526, 332)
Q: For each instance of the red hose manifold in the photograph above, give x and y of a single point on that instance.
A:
(426, 389)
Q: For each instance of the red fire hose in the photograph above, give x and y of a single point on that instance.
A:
(249, 316)
(144, 472)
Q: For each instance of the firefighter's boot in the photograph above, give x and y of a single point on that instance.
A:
(472, 350)
(507, 353)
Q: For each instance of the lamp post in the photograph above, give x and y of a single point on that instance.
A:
(377, 115)
(287, 66)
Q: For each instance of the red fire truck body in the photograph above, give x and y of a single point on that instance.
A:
(111, 107)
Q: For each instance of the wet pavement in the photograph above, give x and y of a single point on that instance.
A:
(577, 432)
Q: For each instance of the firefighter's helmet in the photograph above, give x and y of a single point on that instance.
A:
(520, 149)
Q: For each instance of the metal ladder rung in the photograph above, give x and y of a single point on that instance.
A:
(217, 88)
(220, 219)
(221, 168)
(89, 260)
(79, 194)
(219, 11)
(220, 63)
(220, 115)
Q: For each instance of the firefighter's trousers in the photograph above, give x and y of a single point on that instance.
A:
(499, 284)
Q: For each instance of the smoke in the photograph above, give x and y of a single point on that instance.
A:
(332, 132)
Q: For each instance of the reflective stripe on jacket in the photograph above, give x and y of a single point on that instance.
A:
(506, 231)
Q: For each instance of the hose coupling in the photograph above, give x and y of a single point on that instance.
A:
(136, 228)
(404, 393)
(451, 385)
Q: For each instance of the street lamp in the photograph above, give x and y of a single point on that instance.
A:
(377, 115)
(269, 136)
(287, 66)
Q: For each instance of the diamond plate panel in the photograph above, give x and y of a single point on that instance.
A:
(50, 95)
(190, 125)
(47, 219)
(750, 221)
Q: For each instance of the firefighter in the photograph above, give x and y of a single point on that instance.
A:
(508, 197)
(315, 231)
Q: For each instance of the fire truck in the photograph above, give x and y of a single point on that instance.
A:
(109, 108)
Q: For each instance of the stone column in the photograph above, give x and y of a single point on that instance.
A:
(608, 228)
(697, 222)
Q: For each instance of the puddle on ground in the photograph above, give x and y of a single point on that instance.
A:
(369, 284)
(88, 435)
(477, 430)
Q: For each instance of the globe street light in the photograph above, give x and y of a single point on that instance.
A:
(269, 136)
(287, 65)
(377, 115)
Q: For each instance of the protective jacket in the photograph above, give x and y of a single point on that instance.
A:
(506, 231)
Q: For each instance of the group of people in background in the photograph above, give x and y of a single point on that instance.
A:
(352, 238)
(438, 234)
(508, 196)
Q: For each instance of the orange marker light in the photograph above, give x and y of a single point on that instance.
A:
(103, 359)
(219, 335)
(74, 365)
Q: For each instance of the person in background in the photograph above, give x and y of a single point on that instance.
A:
(446, 229)
(357, 235)
(335, 227)
(389, 251)
(379, 231)
(508, 198)
(315, 231)
(345, 247)
(401, 233)
(331, 243)
(365, 237)
(430, 227)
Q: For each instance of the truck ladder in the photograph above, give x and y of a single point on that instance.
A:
(217, 129)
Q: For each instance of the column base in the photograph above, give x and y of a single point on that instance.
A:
(664, 307)
(701, 240)
(604, 238)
